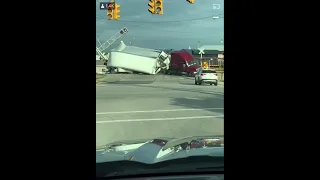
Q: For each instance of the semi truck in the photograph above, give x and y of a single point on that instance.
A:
(182, 62)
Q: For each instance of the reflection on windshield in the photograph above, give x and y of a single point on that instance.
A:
(192, 63)
(157, 150)
(149, 154)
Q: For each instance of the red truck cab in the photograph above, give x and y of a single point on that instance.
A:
(182, 62)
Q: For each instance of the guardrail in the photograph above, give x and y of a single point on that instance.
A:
(215, 63)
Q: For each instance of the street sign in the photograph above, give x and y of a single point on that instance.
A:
(216, 6)
(201, 51)
(205, 65)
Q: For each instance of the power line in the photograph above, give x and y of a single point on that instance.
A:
(172, 31)
(177, 31)
(185, 20)
(182, 33)
(194, 19)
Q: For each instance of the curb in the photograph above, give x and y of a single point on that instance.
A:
(100, 147)
(99, 80)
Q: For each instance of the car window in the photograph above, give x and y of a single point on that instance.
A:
(208, 71)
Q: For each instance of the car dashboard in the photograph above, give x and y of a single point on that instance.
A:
(183, 177)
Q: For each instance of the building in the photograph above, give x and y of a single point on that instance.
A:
(100, 67)
(213, 54)
(213, 47)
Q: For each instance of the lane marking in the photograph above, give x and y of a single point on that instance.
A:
(154, 111)
(158, 119)
(193, 98)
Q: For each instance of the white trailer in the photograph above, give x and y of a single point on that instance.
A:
(138, 60)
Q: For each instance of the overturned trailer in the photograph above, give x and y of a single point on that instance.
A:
(137, 60)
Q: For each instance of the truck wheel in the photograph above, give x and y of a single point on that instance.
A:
(216, 84)
(210, 84)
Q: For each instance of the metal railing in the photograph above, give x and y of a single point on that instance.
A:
(214, 63)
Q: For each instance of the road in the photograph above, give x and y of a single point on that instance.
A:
(132, 107)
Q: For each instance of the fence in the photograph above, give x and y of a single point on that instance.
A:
(220, 76)
(216, 63)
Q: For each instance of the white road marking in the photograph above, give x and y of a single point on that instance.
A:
(158, 119)
(193, 98)
(154, 111)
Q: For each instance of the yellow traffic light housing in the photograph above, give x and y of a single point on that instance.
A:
(152, 7)
(191, 1)
(116, 12)
(113, 11)
(110, 14)
(156, 7)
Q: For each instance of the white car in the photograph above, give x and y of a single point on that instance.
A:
(207, 76)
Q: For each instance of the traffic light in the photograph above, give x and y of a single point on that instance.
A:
(113, 11)
(156, 7)
(110, 14)
(159, 7)
(123, 31)
(191, 1)
(110, 7)
(116, 12)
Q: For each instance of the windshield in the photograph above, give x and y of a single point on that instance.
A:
(192, 63)
(145, 97)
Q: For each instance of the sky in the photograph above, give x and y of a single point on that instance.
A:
(182, 24)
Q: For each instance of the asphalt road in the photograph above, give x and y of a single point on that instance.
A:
(130, 107)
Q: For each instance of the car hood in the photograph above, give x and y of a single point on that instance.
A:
(161, 149)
